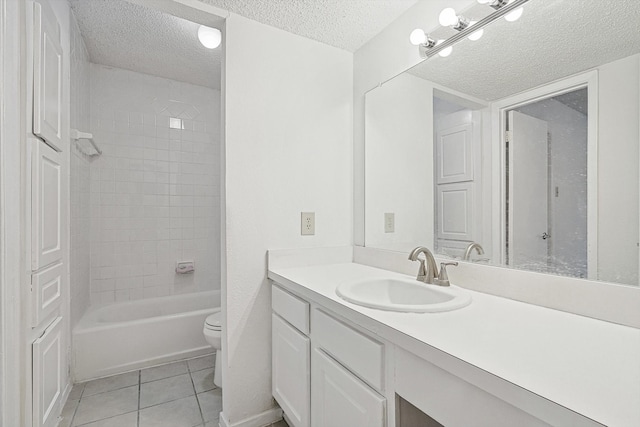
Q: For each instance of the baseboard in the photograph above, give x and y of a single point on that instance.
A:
(260, 420)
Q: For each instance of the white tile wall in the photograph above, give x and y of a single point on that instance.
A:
(155, 196)
(80, 178)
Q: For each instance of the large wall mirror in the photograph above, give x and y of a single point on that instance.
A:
(520, 149)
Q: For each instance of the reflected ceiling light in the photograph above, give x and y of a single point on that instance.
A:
(419, 37)
(209, 37)
(484, 1)
(449, 18)
(515, 15)
(477, 35)
(446, 51)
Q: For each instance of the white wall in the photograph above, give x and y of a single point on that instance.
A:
(155, 192)
(399, 164)
(80, 224)
(288, 149)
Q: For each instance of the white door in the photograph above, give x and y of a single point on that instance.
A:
(47, 376)
(47, 76)
(338, 398)
(528, 239)
(291, 371)
(46, 291)
(46, 181)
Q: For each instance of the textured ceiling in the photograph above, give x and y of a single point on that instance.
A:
(552, 40)
(346, 24)
(125, 35)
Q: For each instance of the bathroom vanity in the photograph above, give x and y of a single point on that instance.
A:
(495, 362)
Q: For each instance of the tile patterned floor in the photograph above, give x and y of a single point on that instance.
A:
(180, 394)
(173, 395)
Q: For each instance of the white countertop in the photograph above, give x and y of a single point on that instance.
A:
(589, 366)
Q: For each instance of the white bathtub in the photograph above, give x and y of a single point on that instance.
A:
(120, 337)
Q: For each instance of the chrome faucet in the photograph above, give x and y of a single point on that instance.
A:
(426, 273)
(472, 246)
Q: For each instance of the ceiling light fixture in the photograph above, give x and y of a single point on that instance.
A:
(449, 18)
(209, 37)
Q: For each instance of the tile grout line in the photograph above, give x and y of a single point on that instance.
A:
(139, 392)
(195, 394)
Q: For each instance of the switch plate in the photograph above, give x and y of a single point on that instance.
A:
(389, 222)
(307, 223)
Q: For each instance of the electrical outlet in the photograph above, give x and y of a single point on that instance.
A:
(389, 222)
(307, 223)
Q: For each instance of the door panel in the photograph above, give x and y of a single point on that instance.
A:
(528, 191)
(455, 213)
(454, 154)
(340, 399)
(47, 376)
(46, 293)
(46, 232)
(47, 77)
(291, 371)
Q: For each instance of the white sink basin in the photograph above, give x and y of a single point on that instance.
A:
(393, 294)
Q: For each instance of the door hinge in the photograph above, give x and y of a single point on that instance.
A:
(508, 136)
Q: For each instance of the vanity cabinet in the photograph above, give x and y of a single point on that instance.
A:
(325, 373)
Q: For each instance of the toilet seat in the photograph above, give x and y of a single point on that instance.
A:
(213, 322)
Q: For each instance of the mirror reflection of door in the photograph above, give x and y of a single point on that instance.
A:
(547, 185)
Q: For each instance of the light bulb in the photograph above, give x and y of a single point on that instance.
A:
(484, 1)
(446, 51)
(417, 37)
(209, 37)
(477, 34)
(515, 15)
(448, 17)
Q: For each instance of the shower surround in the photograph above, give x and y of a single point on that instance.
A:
(154, 192)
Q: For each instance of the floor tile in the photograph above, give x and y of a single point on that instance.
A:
(201, 363)
(203, 380)
(111, 383)
(281, 423)
(165, 390)
(179, 413)
(106, 405)
(163, 371)
(125, 420)
(211, 404)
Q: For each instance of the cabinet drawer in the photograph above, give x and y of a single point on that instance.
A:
(359, 353)
(291, 308)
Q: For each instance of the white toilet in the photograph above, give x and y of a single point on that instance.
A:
(213, 335)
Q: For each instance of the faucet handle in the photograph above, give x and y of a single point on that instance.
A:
(443, 277)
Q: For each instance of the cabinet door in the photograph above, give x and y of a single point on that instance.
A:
(47, 76)
(338, 398)
(47, 376)
(291, 371)
(46, 289)
(46, 234)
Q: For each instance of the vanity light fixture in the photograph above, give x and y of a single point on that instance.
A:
(209, 37)
(478, 34)
(449, 18)
(473, 30)
(419, 37)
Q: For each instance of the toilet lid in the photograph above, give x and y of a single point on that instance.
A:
(213, 321)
